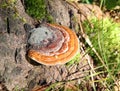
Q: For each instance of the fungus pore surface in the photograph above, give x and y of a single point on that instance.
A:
(52, 44)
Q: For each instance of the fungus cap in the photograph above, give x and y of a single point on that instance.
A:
(52, 44)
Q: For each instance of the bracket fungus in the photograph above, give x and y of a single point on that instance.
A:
(52, 44)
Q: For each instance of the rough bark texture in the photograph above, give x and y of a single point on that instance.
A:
(16, 72)
(59, 10)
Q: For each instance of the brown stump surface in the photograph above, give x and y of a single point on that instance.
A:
(15, 70)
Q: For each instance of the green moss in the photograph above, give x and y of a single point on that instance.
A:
(105, 37)
(37, 9)
(76, 59)
(8, 4)
(49, 18)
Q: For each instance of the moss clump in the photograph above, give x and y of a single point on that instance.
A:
(105, 37)
(37, 9)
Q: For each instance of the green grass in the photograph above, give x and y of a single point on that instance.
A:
(105, 38)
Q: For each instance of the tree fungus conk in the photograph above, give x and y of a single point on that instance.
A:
(52, 44)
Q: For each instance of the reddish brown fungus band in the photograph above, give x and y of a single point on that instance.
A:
(69, 48)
